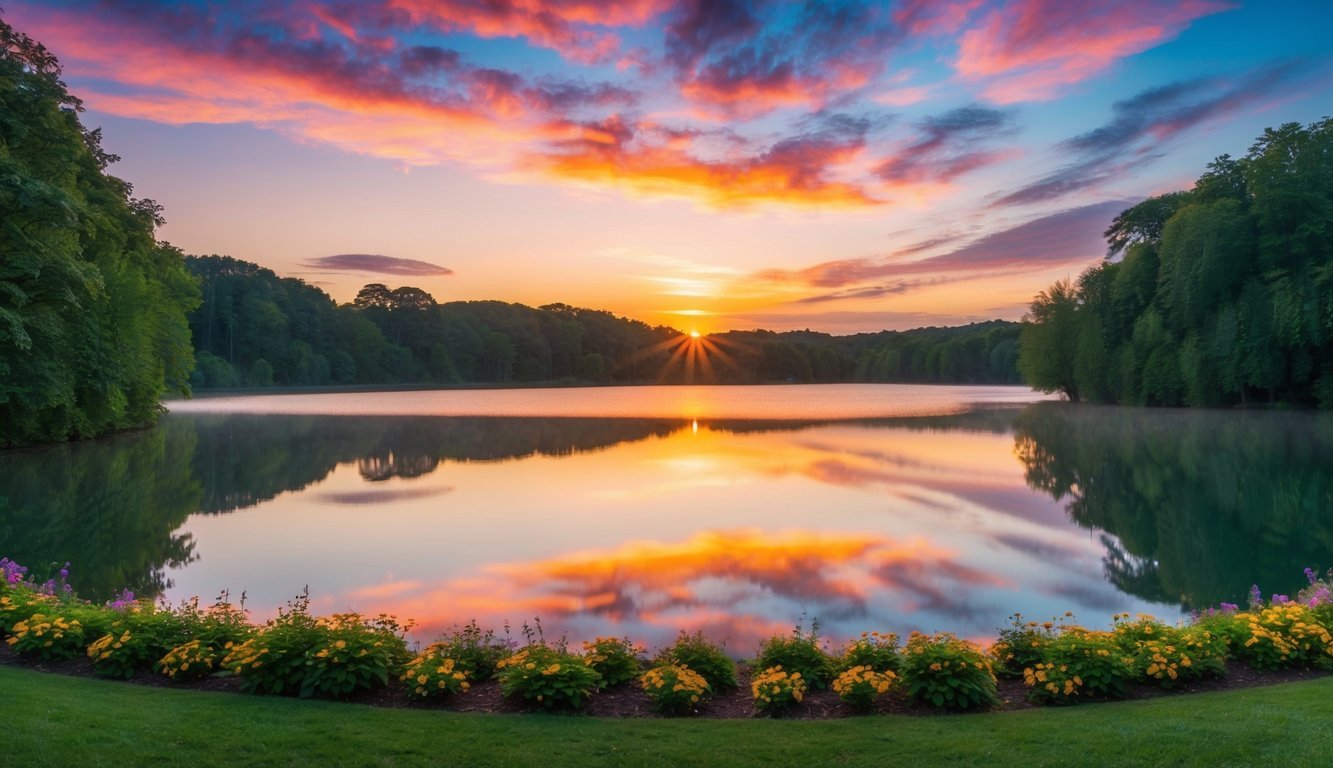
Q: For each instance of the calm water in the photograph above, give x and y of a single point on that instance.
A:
(644, 511)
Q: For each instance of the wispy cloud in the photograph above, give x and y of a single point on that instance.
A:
(374, 263)
(752, 57)
(1028, 50)
(949, 146)
(1066, 237)
(1143, 126)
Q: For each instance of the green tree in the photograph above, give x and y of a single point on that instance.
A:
(92, 306)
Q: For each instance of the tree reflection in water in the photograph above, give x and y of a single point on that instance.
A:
(1196, 506)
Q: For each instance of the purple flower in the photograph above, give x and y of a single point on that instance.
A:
(1256, 597)
(1230, 607)
(1311, 575)
(124, 600)
(1281, 599)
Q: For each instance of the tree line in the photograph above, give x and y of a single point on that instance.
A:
(256, 329)
(92, 305)
(1216, 296)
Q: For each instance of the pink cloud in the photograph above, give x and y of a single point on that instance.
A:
(1029, 49)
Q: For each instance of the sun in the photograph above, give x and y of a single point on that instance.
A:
(695, 334)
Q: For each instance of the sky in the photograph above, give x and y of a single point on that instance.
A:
(838, 166)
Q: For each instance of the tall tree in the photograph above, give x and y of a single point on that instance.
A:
(92, 306)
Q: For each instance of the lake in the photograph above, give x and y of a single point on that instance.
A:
(643, 511)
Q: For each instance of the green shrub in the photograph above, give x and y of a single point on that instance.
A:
(800, 652)
(1284, 635)
(615, 659)
(18, 604)
(140, 634)
(47, 636)
(193, 660)
(1170, 655)
(876, 650)
(705, 658)
(1020, 645)
(338, 655)
(861, 686)
(776, 690)
(433, 675)
(674, 690)
(1079, 663)
(475, 651)
(546, 677)
(947, 672)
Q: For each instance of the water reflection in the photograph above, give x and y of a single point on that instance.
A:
(112, 508)
(647, 526)
(1194, 506)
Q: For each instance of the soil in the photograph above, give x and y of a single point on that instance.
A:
(628, 701)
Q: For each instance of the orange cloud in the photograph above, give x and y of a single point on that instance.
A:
(1029, 49)
(736, 585)
(645, 158)
(561, 26)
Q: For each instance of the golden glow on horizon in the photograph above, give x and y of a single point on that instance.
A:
(694, 334)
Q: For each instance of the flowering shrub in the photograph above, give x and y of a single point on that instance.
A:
(50, 637)
(18, 605)
(616, 660)
(328, 656)
(475, 651)
(121, 655)
(798, 653)
(1020, 645)
(861, 686)
(191, 661)
(547, 677)
(705, 658)
(776, 690)
(876, 650)
(1284, 635)
(432, 675)
(947, 672)
(1079, 663)
(1318, 596)
(1170, 655)
(674, 690)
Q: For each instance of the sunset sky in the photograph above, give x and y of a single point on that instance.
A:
(708, 165)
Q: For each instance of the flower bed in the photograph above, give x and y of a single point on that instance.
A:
(347, 656)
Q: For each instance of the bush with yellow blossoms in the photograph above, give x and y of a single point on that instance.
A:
(707, 659)
(1079, 664)
(548, 678)
(674, 689)
(333, 656)
(1170, 655)
(193, 660)
(47, 637)
(947, 672)
(475, 651)
(777, 690)
(615, 659)
(799, 652)
(877, 650)
(1021, 644)
(860, 687)
(431, 675)
(1283, 635)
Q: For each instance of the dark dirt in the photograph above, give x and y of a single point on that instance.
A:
(628, 701)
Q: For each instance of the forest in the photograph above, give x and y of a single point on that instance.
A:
(92, 306)
(256, 329)
(1220, 295)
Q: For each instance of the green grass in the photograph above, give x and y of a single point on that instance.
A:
(54, 720)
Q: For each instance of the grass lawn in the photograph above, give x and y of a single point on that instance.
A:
(48, 719)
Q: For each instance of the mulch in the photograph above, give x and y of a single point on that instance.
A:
(628, 701)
